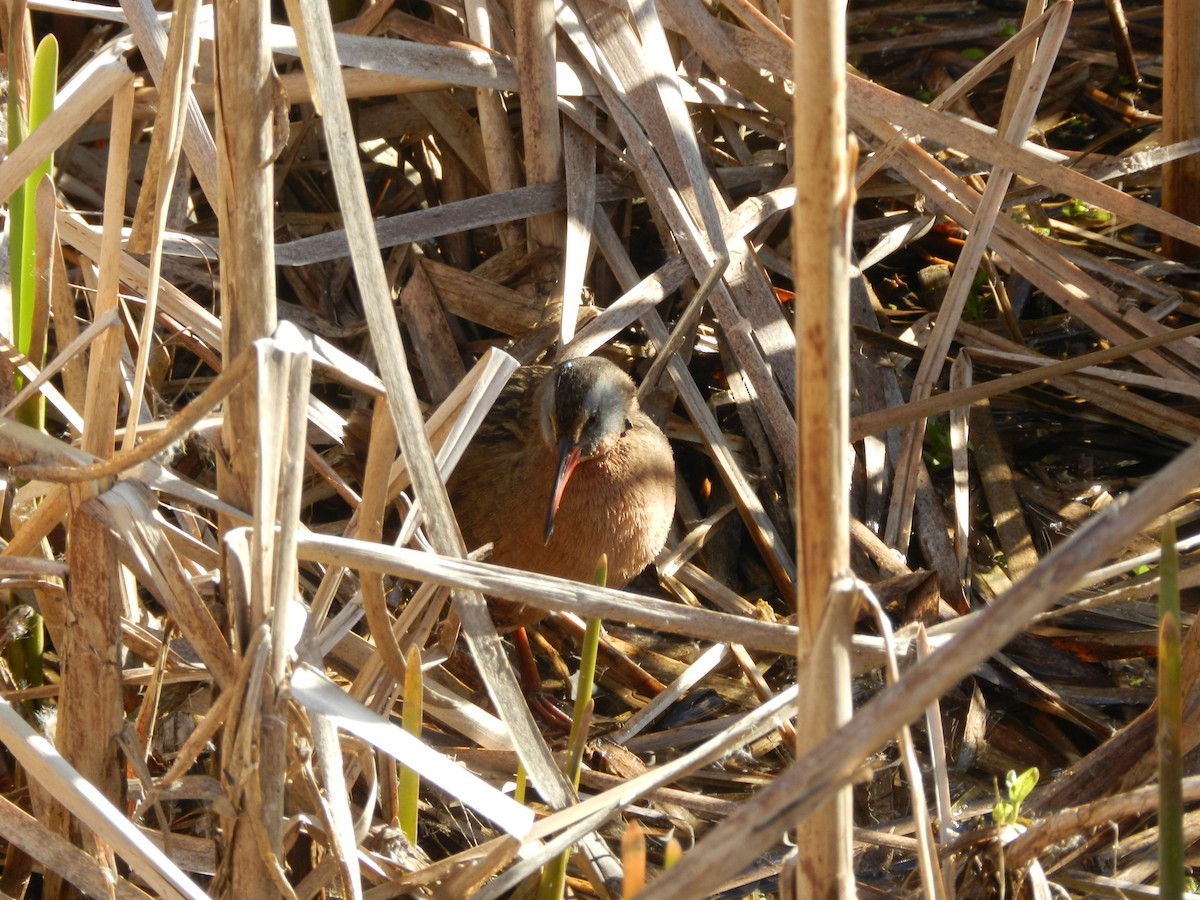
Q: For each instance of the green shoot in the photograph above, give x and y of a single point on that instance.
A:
(22, 262)
(1017, 788)
(554, 875)
(522, 781)
(408, 781)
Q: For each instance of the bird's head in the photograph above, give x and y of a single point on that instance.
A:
(584, 407)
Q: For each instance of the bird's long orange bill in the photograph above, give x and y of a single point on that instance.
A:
(568, 459)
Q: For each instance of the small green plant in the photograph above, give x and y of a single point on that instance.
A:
(1074, 208)
(22, 207)
(1017, 788)
(408, 788)
(1077, 210)
(554, 875)
(27, 328)
(521, 782)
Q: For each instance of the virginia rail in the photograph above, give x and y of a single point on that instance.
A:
(564, 468)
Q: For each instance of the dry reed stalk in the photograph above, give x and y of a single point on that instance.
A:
(154, 200)
(253, 839)
(91, 717)
(546, 592)
(198, 143)
(87, 631)
(536, 42)
(1181, 119)
(821, 225)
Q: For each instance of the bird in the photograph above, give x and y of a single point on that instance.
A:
(564, 468)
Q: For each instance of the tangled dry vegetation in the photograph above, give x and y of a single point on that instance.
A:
(219, 534)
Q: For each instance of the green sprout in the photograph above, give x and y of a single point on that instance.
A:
(408, 789)
(1017, 788)
(1077, 209)
(554, 875)
(43, 87)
